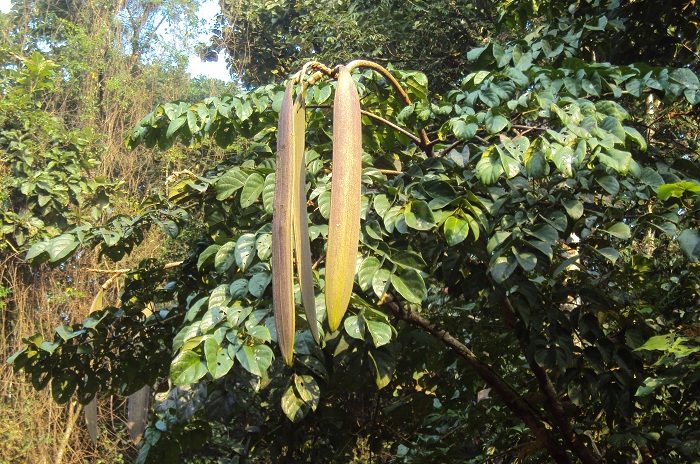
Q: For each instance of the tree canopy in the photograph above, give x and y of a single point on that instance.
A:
(526, 282)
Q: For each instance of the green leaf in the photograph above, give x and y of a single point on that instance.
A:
(218, 360)
(407, 259)
(355, 327)
(229, 183)
(187, 368)
(238, 289)
(525, 259)
(174, 125)
(610, 184)
(366, 272)
(410, 285)
(260, 332)
(657, 343)
(619, 230)
(259, 283)
(489, 167)
(384, 364)
(294, 407)
(61, 247)
(268, 192)
(456, 230)
(63, 385)
(462, 129)
(324, 204)
(219, 296)
(225, 257)
(245, 251)
(563, 158)
(689, 242)
(609, 253)
(252, 188)
(546, 233)
(420, 216)
(246, 356)
(263, 355)
(677, 190)
(379, 282)
(574, 208)
(494, 124)
(380, 332)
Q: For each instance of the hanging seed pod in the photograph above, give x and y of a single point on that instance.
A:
(344, 222)
(137, 405)
(283, 208)
(301, 223)
(90, 411)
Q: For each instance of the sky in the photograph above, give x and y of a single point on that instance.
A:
(207, 12)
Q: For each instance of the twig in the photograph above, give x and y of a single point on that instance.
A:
(392, 125)
(425, 143)
(446, 150)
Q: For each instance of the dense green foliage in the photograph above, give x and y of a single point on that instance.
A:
(543, 211)
(45, 188)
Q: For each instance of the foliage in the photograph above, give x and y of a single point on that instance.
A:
(266, 40)
(536, 211)
(44, 186)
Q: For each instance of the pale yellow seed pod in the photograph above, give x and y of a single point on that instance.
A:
(283, 207)
(346, 183)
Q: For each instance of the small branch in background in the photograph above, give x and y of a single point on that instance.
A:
(390, 171)
(392, 125)
(446, 150)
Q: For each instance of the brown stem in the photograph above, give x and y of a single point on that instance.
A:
(554, 405)
(504, 391)
(392, 125)
(448, 148)
(424, 143)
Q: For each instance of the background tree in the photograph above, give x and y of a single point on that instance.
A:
(63, 113)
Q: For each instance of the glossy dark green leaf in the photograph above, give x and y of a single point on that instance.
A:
(252, 188)
(355, 327)
(218, 360)
(420, 216)
(229, 183)
(410, 285)
(456, 230)
(225, 257)
(187, 368)
(366, 272)
(380, 332)
(619, 230)
(689, 241)
(244, 252)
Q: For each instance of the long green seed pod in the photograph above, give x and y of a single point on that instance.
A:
(301, 222)
(344, 222)
(283, 207)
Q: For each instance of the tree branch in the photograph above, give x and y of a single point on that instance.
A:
(504, 391)
(392, 125)
(553, 404)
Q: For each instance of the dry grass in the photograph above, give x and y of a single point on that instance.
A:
(33, 428)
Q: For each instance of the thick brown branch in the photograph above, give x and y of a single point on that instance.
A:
(504, 391)
(554, 405)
